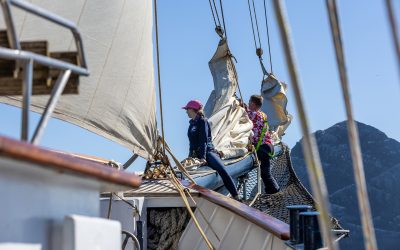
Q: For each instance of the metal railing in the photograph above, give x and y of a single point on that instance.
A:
(35, 10)
(26, 60)
(129, 235)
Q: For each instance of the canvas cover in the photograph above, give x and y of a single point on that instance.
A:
(117, 100)
(275, 101)
(229, 122)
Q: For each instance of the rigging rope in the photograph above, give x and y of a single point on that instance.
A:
(252, 28)
(159, 78)
(258, 47)
(237, 81)
(222, 33)
(310, 150)
(172, 173)
(186, 190)
(179, 165)
(213, 15)
(255, 18)
(217, 20)
(269, 45)
(223, 18)
(361, 186)
(181, 191)
(392, 21)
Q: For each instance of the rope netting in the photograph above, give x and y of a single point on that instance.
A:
(292, 192)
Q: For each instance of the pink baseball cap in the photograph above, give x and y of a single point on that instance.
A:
(193, 104)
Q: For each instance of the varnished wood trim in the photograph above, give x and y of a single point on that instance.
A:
(26, 152)
(84, 157)
(269, 223)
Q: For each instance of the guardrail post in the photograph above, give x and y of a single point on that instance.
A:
(8, 19)
(51, 105)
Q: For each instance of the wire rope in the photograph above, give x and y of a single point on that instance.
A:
(355, 148)
(268, 37)
(159, 78)
(310, 150)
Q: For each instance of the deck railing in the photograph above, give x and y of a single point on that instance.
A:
(28, 58)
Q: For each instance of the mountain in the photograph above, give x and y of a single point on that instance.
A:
(381, 158)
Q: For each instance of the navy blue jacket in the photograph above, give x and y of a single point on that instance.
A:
(200, 140)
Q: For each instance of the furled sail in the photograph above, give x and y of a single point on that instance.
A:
(229, 122)
(117, 100)
(274, 105)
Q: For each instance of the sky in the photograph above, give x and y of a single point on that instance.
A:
(188, 41)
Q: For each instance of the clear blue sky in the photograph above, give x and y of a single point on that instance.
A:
(188, 40)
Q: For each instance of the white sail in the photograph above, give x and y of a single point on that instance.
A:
(229, 122)
(274, 105)
(117, 100)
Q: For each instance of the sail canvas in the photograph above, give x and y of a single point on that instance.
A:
(230, 125)
(117, 100)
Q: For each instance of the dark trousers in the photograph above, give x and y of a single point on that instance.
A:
(215, 162)
(271, 186)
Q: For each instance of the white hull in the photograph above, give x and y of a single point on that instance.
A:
(233, 231)
(51, 201)
(230, 224)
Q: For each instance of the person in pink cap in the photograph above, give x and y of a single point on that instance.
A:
(201, 145)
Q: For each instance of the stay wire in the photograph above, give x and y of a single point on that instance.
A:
(237, 81)
(216, 13)
(213, 14)
(252, 26)
(223, 18)
(355, 148)
(311, 154)
(393, 26)
(159, 78)
(269, 44)
(259, 51)
(255, 18)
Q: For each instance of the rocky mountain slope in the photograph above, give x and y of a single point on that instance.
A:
(381, 157)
